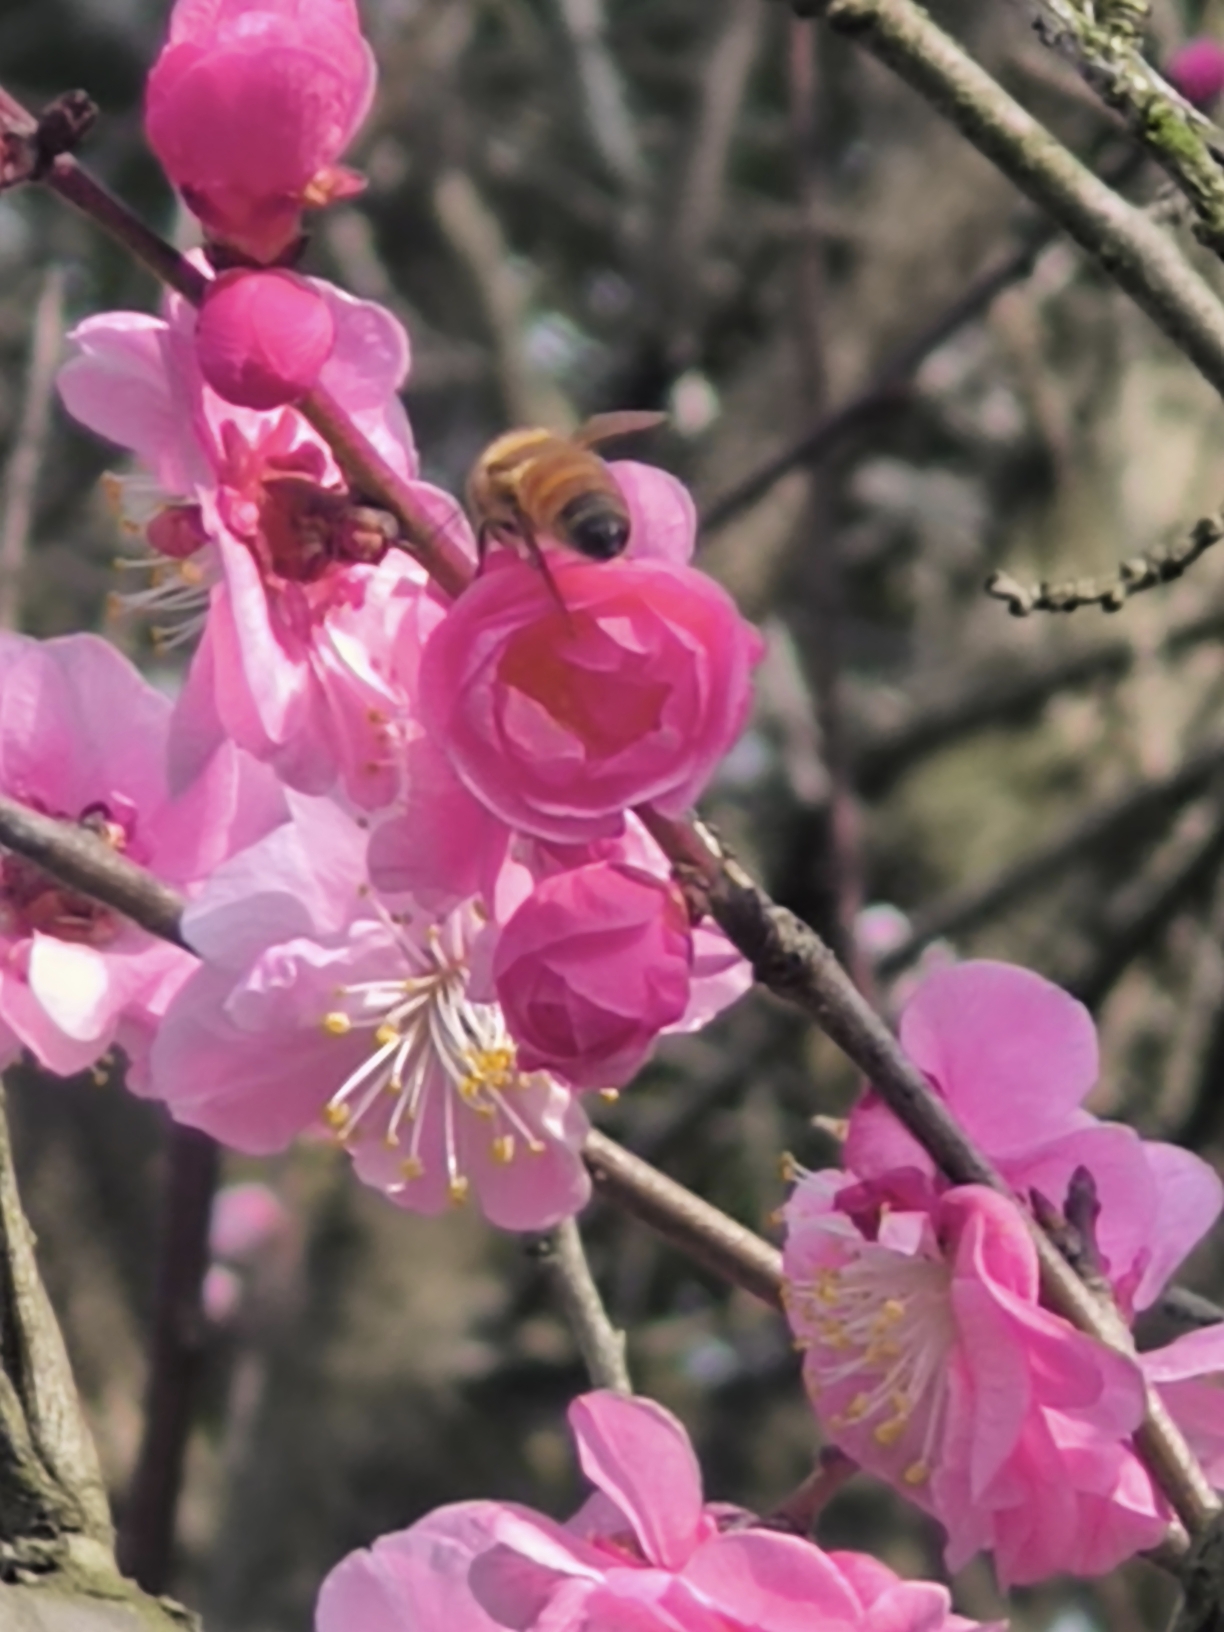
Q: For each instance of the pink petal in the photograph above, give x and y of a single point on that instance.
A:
(662, 515)
(639, 1455)
(417, 1578)
(772, 1583)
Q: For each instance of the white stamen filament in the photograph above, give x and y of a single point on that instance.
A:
(887, 1318)
(428, 1037)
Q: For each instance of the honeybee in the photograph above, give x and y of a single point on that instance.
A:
(534, 484)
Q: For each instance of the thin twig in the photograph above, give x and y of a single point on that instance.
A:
(601, 1344)
(798, 1513)
(1160, 565)
(707, 1235)
(176, 1356)
(1106, 44)
(604, 103)
(29, 445)
(964, 909)
(1123, 242)
(81, 859)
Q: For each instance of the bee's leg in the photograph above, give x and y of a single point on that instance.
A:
(540, 560)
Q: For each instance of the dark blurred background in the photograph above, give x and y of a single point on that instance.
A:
(707, 207)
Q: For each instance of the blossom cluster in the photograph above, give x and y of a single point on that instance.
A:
(427, 919)
(425, 926)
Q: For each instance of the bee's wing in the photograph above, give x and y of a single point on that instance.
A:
(603, 427)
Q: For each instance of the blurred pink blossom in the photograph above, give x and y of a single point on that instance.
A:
(1013, 1057)
(220, 1294)
(250, 105)
(1196, 69)
(299, 595)
(245, 1218)
(316, 1008)
(83, 738)
(931, 1362)
(558, 718)
(590, 968)
(262, 338)
(644, 1554)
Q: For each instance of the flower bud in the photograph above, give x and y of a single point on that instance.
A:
(1197, 71)
(262, 338)
(249, 106)
(590, 968)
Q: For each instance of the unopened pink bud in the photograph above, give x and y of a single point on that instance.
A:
(249, 106)
(590, 969)
(1197, 71)
(262, 338)
(245, 1217)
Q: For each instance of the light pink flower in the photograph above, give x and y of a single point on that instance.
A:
(931, 1362)
(316, 1009)
(590, 968)
(83, 738)
(263, 337)
(245, 1218)
(644, 1554)
(256, 532)
(250, 105)
(1013, 1057)
(559, 718)
(1197, 70)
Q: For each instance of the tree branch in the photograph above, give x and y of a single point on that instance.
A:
(1131, 249)
(601, 1344)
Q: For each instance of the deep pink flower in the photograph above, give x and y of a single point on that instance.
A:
(559, 718)
(592, 966)
(83, 738)
(262, 338)
(1196, 69)
(316, 1009)
(644, 1554)
(250, 105)
(930, 1361)
(1013, 1057)
(255, 531)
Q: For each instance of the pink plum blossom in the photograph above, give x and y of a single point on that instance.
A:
(83, 738)
(1197, 70)
(262, 338)
(559, 717)
(644, 1554)
(316, 1008)
(590, 968)
(257, 540)
(1013, 1057)
(931, 1362)
(245, 1218)
(250, 105)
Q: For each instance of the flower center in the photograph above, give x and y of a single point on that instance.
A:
(882, 1320)
(32, 900)
(433, 1052)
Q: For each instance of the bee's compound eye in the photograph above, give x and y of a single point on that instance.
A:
(601, 534)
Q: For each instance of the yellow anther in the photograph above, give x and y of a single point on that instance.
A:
(385, 1034)
(888, 1433)
(336, 1117)
(503, 1148)
(916, 1474)
(336, 1024)
(458, 1189)
(191, 572)
(391, 1139)
(891, 1311)
(536, 1147)
(857, 1409)
(375, 716)
(609, 1095)
(412, 1167)
(789, 1168)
